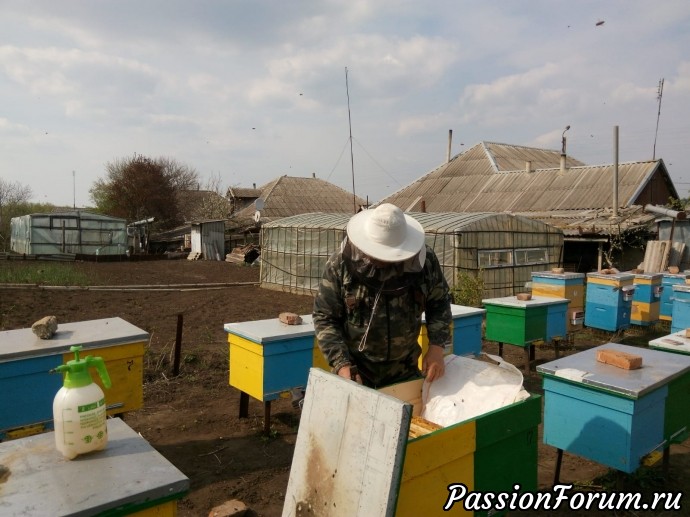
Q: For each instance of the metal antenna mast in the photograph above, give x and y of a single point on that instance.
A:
(659, 93)
(352, 161)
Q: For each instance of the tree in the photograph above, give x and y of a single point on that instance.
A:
(139, 188)
(182, 176)
(214, 205)
(13, 195)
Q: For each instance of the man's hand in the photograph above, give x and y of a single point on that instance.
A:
(433, 365)
(350, 373)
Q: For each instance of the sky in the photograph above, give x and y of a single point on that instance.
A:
(245, 91)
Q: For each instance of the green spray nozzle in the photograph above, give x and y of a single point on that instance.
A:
(77, 370)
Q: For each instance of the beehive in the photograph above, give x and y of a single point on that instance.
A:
(646, 303)
(608, 301)
(26, 360)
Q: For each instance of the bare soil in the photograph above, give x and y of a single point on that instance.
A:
(193, 419)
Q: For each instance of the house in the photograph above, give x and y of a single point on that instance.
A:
(290, 195)
(240, 198)
(551, 187)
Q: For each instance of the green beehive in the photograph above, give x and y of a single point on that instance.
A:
(676, 416)
(513, 321)
(506, 450)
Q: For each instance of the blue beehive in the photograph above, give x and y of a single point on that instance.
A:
(667, 282)
(467, 329)
(680, 315)
(28, 389)
(608, 301)
(556, 319)
(268, 357)
(612, 416)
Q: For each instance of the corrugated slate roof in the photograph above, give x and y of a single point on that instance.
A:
(243, 193)
(287, 196)
(494, 176)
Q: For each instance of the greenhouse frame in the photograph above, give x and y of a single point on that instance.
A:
(503, 248)
(73, 232)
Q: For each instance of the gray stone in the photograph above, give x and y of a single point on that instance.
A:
(45, 328)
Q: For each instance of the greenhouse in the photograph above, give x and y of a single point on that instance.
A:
(501, 249)
(73, 232)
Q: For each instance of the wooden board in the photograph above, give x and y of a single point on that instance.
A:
(349, 451)
(676, 257)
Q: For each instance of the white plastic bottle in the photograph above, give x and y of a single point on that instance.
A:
(79, 407)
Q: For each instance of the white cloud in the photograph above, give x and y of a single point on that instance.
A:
(257, 89)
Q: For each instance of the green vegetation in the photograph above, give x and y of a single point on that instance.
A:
(139, 187)
(468, 289)
(12, 272)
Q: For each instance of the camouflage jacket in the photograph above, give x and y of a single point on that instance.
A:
(382, 345)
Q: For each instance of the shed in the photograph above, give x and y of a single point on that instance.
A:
(77, 232)
(208, 239)
(503, 249)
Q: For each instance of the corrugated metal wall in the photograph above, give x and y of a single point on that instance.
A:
(208, 238)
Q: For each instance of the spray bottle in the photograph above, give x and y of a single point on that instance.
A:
(79, 407)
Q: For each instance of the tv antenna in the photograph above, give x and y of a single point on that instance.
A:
(659, 93)
(352, 160)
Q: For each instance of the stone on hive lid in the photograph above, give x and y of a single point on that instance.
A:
(46, 327)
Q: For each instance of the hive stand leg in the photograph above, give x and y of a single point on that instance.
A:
(666, 460)
(557, 473)
(244, 404)
(267, 417)
(500, 349)
(528, 358)
(620, 481)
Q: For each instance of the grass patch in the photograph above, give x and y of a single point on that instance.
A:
(42, 274)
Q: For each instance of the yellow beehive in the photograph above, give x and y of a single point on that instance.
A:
(433, 461)
(574, 293)
(644, 312)
(125, 365)
(268, 357)
(25, 363)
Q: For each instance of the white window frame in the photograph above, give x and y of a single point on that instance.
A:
(544, 259)
(492, 263)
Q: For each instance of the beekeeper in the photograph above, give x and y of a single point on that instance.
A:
(368, 310)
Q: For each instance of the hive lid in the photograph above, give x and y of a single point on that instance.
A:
(560, 276)
(650, 276)
(612, 276)
(91, 334)
(349, 451)
(676, 342)
(658, 368)
(536, 301)
(268, 330)
(128, 473)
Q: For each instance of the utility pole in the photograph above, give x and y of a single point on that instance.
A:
(659, 93)
(352, 159)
